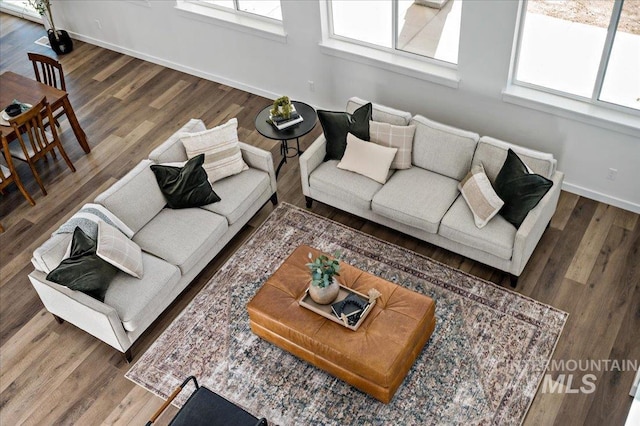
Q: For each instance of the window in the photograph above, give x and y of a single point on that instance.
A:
(584, 49)
(265, 8)
(429, 28)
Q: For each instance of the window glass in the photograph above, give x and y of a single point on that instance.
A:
(366, 21)
(622, 79)
(561, 44)
(424, 27)
(432, 31)
(268, 8)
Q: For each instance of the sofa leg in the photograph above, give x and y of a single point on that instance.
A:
(274, 199)
(58, 319)
(514, 280)
(127, 356)
(309, 201)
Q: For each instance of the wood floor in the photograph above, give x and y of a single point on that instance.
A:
(587, 262)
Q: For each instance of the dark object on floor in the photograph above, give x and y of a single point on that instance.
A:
(207, 408)
(60, 42)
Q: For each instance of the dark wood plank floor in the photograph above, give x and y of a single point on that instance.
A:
(587, 262)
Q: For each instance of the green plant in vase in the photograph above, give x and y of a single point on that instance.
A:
(281, 107)
(324, 288)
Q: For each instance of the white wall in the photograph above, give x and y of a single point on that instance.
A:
(158, 32)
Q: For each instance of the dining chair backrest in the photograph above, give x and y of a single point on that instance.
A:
(8, 172)
(48, 70)
(30, 130)
(36, 142)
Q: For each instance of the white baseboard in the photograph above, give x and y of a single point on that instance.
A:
(175, 66)
(603, 198)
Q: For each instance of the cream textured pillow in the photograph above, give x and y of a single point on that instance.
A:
(400, 137)
(367, 159)
(480, 196)
(221, 149)
(115, 248)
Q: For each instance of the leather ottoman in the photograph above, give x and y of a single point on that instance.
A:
(376, 357)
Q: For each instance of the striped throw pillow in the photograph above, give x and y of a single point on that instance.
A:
(391, 136)
(221, 149)
(480, 196)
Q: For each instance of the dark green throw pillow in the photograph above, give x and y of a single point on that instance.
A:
(520, 190)
(336, 125)
(83, 270)
(187, 186)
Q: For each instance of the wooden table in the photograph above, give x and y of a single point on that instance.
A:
(14, 86)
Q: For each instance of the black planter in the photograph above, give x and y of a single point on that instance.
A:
(62, 44)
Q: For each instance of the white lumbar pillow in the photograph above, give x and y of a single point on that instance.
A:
(115, 248)
(368, 159)
(221, 149)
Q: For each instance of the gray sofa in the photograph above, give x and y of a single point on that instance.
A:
(424, 200)
(176, 244)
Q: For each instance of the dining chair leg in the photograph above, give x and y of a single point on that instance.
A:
(66, 157)
(37, 176)
(25, 192)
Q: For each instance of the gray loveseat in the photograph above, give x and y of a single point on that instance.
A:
(424, 200)
(176, 244)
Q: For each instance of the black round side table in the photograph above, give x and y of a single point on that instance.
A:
(296, 131)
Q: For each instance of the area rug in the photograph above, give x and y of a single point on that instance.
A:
(482, 365)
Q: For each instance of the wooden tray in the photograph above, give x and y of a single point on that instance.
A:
(325, 310)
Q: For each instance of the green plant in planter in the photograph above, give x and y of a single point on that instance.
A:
(281, 107)
(323, 269)
(43, 7)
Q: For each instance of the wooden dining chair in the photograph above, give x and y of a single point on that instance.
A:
(48, 71)
(8, 174)
(34, 141)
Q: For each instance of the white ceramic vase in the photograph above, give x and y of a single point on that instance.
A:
(324, 295)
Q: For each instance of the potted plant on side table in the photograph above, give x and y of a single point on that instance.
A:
(324, 288)
(59, 40)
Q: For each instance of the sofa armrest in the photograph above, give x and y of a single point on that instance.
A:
(81, 310)
(310, 160)
(535, 224)
(258, 158)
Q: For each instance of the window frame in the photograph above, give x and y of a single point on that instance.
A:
(602, 67)
(393, 50)
(236, 9)
(245, 22)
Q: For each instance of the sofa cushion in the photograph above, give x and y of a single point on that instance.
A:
(131, 297)
(520, 190)
(480, 196)
(443, 149)
(416, 197)
(238, 193)
(399, 137)
(368, 159)
(83, 270)
(136, 198)
(115, 248)
(344, 185)
(492, 153)
(186, 186)
(181, 237)
(380, 112)
(336, 125)
(495, 238)
(172, 149)
(221, 149)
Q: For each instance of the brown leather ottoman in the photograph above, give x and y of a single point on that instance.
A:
(376, 357)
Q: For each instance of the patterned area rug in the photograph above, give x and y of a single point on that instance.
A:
(482, 364)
